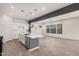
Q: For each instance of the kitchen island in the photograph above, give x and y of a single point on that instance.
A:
(31, 41)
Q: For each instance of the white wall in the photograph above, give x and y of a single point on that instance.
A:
(0, 26)
(20, 27)
(36, 29)
(70, 23)
(9, 27)
(6, 27)
(70, 28)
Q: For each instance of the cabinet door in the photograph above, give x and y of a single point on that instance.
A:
(22, 39)
(34, 43)
(27, 42)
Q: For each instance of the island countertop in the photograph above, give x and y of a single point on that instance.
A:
(34, 36)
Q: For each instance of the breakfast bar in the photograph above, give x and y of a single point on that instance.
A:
(31, 42)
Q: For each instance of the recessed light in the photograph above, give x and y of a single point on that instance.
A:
(43, 8)
(12, 7)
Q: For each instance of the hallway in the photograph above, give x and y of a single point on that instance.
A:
(49, 46)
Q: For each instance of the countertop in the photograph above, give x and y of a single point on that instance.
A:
(34, 36)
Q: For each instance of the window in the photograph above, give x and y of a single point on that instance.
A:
(59, 28)
(53, 29)
(47, 29)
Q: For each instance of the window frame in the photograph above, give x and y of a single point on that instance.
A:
(54, 27)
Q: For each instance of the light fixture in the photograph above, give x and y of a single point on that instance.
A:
(22, 10)
(43, 8)
(12, 7)
(35, 9)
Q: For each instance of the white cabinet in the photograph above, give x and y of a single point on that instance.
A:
(22, 39)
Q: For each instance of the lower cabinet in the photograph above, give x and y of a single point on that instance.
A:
(31, 42)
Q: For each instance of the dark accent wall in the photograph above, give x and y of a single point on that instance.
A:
(64, 10)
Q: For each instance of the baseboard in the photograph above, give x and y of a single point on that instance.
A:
(61, 37)
(33, 49)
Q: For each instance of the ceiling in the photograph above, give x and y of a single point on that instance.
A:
(28, 11)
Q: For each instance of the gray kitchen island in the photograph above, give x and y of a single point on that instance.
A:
(31, 42)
